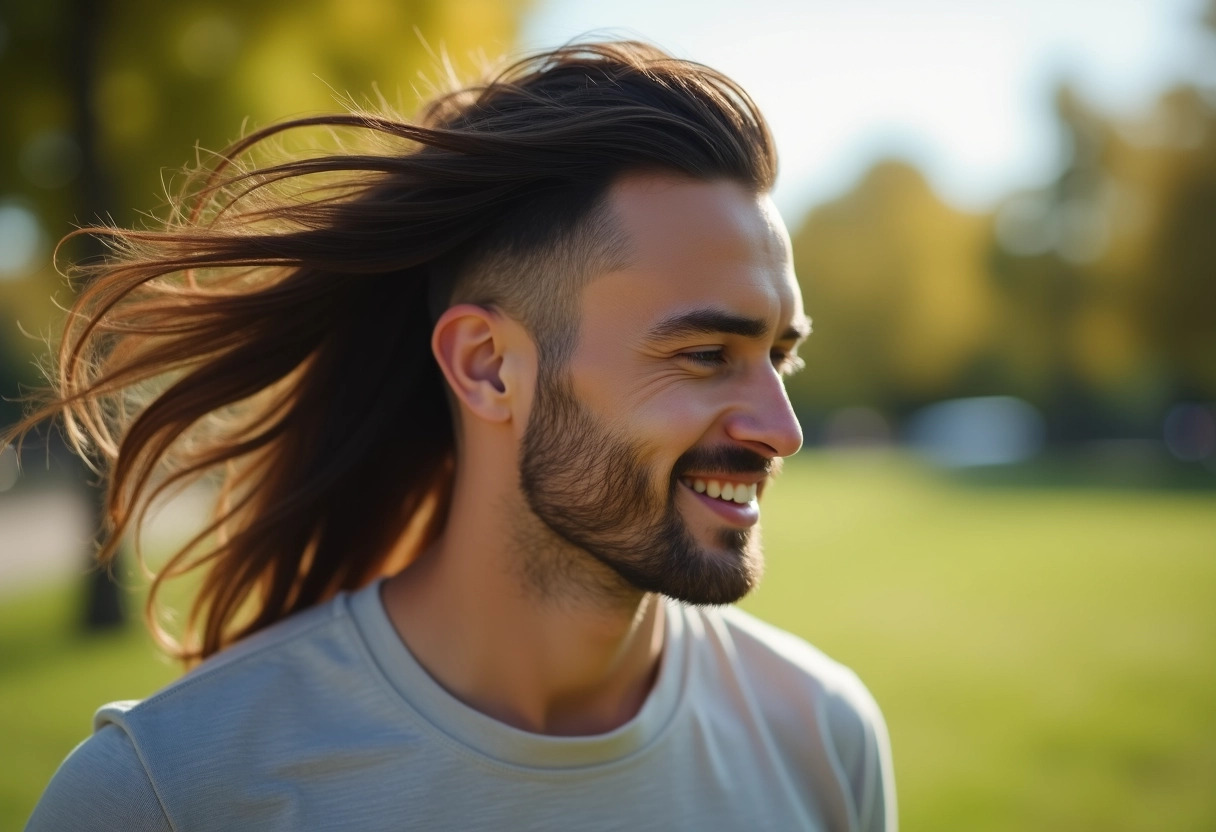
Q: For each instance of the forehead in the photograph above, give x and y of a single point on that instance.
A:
(693, 245)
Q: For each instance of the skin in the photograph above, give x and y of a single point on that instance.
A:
(545, 628)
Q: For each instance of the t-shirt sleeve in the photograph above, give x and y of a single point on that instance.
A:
(101, 786)
(877, 808)
(864, 750)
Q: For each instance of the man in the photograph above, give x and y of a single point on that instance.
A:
(494, 411)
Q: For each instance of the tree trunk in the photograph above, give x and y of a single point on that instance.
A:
(103, 603)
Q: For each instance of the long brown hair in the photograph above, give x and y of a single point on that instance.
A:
(274, 334)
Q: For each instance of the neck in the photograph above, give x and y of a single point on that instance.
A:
(524, 627)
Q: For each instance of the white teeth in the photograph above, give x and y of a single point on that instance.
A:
(730, 492)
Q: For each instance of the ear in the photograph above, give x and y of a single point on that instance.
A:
(470, 343)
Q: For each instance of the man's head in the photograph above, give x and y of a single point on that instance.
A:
(640, 181)
(584, 243)
(642, 444)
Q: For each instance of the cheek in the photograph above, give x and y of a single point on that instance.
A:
(673, 423)
(665, 411)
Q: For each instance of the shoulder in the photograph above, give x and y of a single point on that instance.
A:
(288, 651)
(797, 666)
(299, 671)
(229, 724)
(814, 706)
(102, 785)
(791, 666)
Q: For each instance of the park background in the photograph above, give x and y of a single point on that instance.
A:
(1003, 221)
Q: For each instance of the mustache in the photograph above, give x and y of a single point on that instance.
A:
(725, 460)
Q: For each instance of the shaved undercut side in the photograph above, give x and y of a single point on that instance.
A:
(535, 271)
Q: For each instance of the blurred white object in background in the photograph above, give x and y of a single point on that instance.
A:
(46, 534)
(989, 430)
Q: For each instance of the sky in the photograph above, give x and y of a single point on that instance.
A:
(960, 87)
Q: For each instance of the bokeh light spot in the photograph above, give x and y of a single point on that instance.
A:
(21, 240)
(1190, 432)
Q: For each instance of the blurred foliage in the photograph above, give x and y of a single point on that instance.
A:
(103, 100)
(1093, 297)
(895, 282)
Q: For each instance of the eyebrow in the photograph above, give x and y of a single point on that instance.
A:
(717, 322)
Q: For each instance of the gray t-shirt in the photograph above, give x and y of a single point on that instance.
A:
(326, 721)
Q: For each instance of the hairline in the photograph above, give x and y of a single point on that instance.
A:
(554, 276)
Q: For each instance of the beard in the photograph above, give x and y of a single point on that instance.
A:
(593, 490)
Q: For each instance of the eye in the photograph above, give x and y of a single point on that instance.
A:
(709, 357)
(787, 363)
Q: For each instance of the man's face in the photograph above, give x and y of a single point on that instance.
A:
(647, 448)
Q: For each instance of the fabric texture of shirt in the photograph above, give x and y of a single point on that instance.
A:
(326, 721)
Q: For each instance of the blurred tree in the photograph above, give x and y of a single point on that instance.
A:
(170, 76)
(1093, 296)
(894, 280)
(1180, 295)
(1046, 239)
(101, 98)
(1107, 274)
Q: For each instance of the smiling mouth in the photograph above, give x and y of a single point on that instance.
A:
(725, 490)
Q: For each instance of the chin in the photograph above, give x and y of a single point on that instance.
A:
(719, 571)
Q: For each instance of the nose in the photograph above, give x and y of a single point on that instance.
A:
(765, 417)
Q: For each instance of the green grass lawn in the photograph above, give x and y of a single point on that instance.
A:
(1045, 656)
(51, 681)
